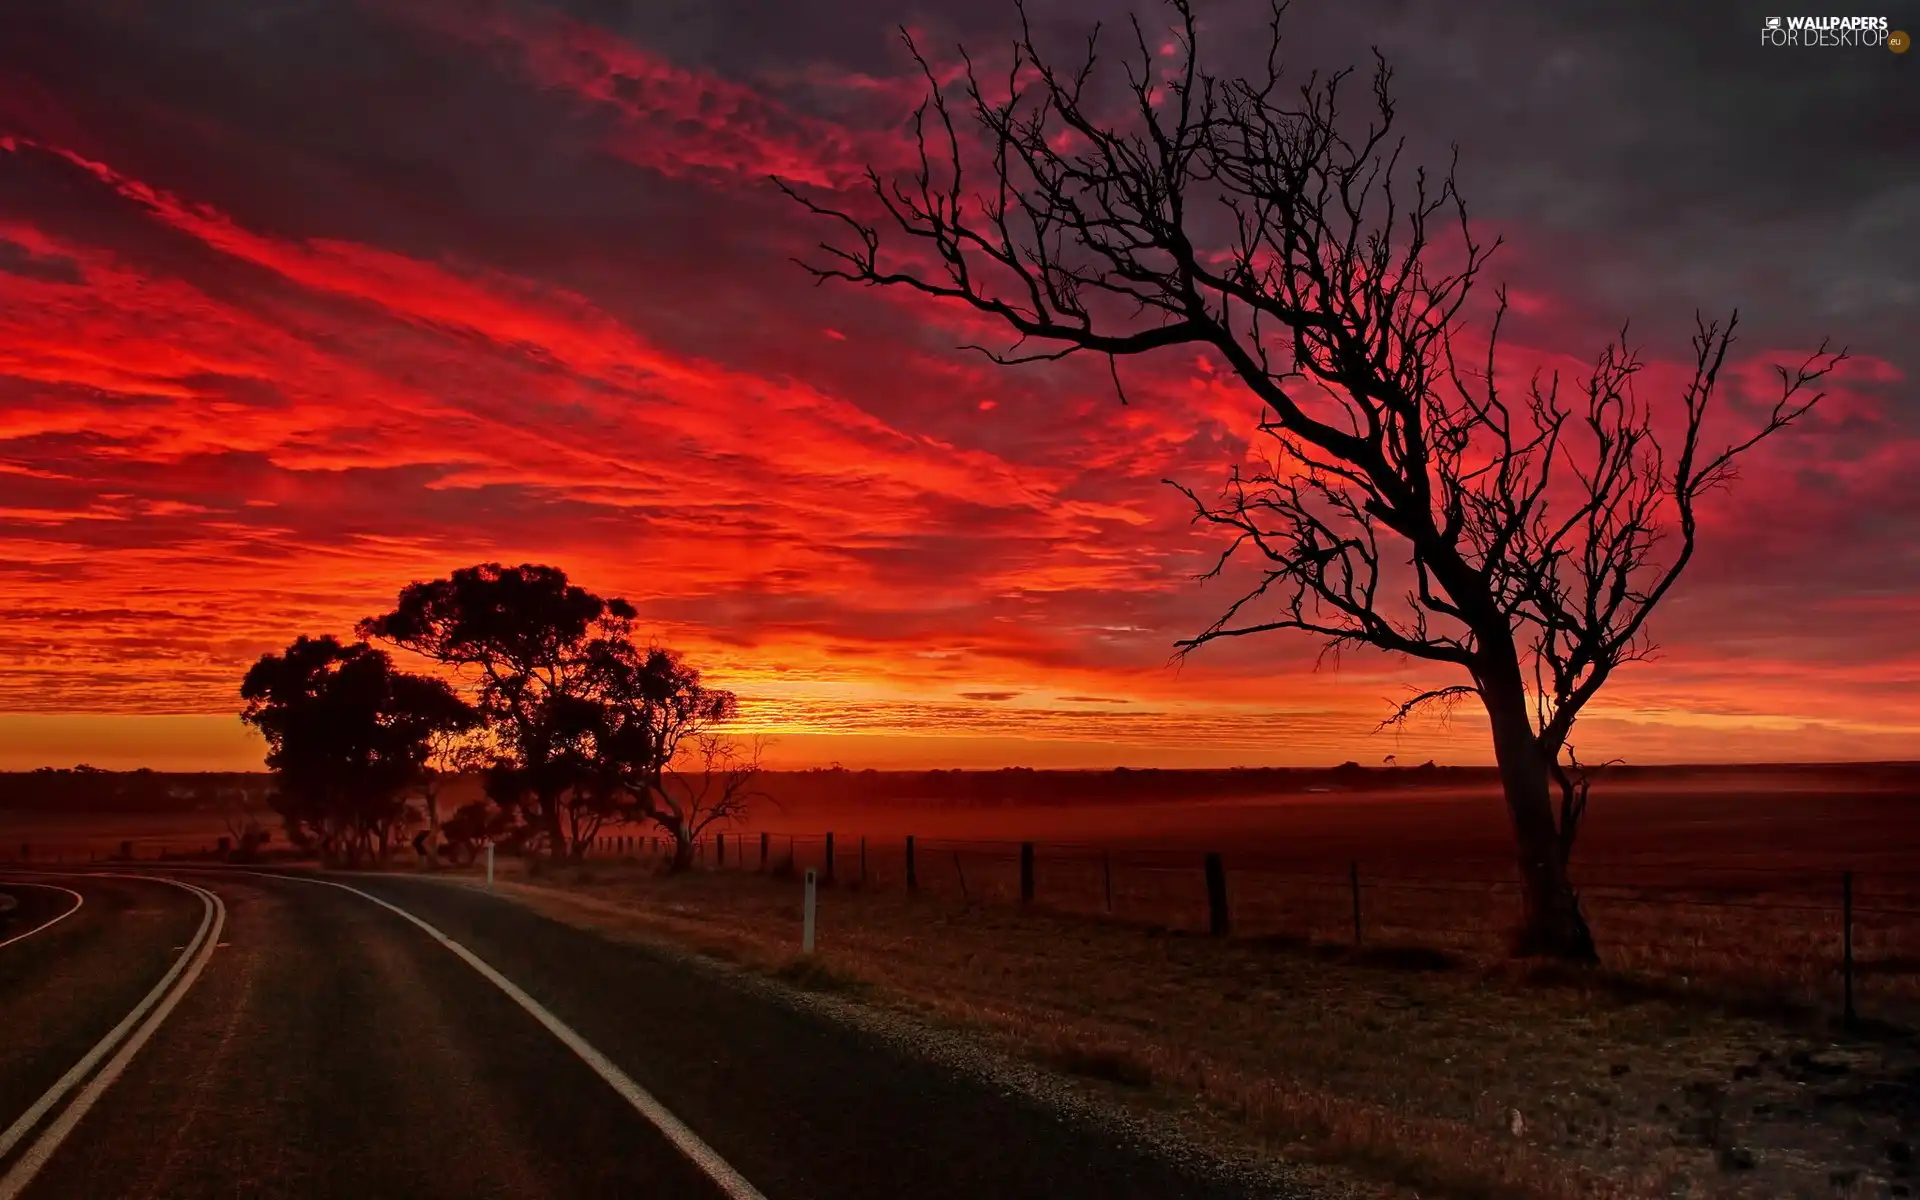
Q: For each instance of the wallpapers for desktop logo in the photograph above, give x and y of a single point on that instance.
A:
(1871, 32)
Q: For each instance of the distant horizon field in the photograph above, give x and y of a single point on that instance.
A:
(1835, 819)
(1626, 769)
(72, 836)
(1785, 827)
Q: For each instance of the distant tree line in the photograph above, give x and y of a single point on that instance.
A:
(542, 693)
(84, 789)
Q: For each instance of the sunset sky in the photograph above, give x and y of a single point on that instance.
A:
(311, 299)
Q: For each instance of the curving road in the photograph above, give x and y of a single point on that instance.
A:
(336, 1045)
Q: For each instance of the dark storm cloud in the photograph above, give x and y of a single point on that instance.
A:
(16, 259)
(1650, 160)
(1625, 126)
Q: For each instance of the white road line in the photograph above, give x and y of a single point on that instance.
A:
(698, 1152)
(198, 950)
(78, 900)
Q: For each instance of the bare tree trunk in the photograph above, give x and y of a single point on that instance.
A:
(433, 827)
(1551, 923)
(577, 838)
(682, 846)
(557, 847)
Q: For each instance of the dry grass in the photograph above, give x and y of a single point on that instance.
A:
(1397, 1067)
(1768, 935)
(78, 837)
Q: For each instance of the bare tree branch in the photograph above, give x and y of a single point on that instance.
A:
(1405, 497)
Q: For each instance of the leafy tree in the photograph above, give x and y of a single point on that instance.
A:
(476, 822)
(347, 735)
(1409, 501)
(527, 635)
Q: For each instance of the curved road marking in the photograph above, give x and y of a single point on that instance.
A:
(698, 1152)
(78, 900)
(199, 950)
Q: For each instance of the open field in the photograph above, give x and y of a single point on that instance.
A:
(74, 837)
(1772, 936)
(1737, 881)
(1422, 1076)
(1732, 878)
(1825, 818)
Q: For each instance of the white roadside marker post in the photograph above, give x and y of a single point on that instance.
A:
(806, 917)
(489, 864)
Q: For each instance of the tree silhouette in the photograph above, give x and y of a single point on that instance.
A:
(1408, 501)
(528, 634)
(713, 779)
(347, 735)
(457, 744)
(649, 706)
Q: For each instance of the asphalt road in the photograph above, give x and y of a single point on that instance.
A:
(331, 1047)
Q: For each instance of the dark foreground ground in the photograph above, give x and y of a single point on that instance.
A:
(333, 1049)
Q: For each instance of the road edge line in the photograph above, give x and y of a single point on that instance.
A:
(689, 1143)
(202, 943)
(52, 887)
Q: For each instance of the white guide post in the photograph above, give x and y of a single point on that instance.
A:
(806, 917)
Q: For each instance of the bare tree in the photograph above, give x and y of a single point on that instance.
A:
(243, 824)
(1406, 499)
(713, 778)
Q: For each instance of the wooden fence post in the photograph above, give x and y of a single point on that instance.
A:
(829, 872)
(719, 849)
(1846, 947)
(1353, 877)
(962, 875)
(1217, 920)
(913, 880)
(763, 852)
(1026, 872)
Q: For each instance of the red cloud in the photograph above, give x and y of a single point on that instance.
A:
(215, 435)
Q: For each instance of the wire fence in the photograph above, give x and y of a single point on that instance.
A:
(1827, 939)
(1831, 939)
